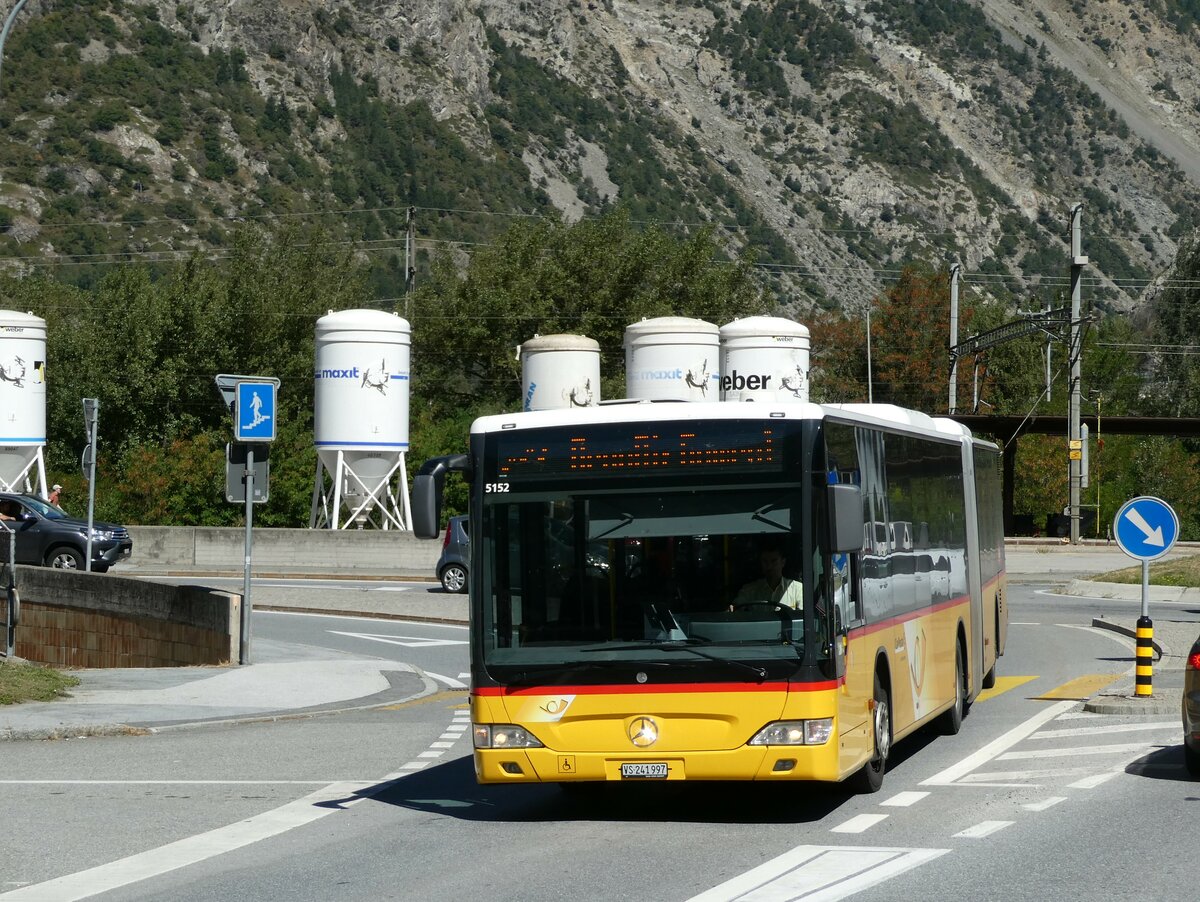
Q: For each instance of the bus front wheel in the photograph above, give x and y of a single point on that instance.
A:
(870, 778)
(951, 720)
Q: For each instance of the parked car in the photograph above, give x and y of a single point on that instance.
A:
(1191, 710)
(46, 535)
(452, 565)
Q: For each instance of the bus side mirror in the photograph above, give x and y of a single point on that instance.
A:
(427, 494)
(426, 506)
(845, 519)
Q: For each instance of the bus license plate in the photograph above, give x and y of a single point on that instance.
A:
(644, 771)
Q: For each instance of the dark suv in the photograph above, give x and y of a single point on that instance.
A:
(48, 535)
(452, 565)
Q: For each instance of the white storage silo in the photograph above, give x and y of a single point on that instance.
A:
(360, 422)
(764, 358)
(672, 358)
(22, 402)
(559, 371)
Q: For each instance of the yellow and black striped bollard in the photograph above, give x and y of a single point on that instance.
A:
(1144, 681)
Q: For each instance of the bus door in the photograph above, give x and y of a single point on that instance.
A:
(851, 575)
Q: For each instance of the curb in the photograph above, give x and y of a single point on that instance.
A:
(1100, 623)
(375, 615)
(429, 687)
(1086, 588)
(371, 576)
(1163, 702)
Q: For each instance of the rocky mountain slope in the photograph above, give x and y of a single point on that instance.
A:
(838, 140)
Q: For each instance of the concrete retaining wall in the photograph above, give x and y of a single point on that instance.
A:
(283, 551)
(102, 620)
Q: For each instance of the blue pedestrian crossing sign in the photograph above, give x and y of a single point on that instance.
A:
(1146, 528)
(254, 411)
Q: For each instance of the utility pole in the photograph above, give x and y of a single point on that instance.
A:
(955, 272)
(410, 242)
(870, 379)
(1075, 443)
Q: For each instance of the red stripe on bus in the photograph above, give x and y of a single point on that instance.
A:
(904, 618)
(660, 688)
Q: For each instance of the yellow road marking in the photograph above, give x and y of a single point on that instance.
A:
(1003, 684)
(1080, 688)
(444, 695)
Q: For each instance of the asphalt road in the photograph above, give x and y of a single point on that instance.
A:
(1032, 800)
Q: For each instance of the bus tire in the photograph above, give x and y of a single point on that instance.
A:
(989, 678)
(870, 778)
(951, 719)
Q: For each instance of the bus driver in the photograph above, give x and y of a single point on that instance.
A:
(773, 587)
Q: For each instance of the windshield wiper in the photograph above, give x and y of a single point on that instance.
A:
(688, 645)
(538, 673)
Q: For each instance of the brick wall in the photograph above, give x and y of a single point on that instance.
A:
(72, 619)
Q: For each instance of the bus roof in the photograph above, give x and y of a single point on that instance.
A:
(659, 411)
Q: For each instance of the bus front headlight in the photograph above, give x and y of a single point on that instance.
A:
(503, 736)
(795, 732)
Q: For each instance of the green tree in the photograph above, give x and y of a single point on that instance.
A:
(1176, 325)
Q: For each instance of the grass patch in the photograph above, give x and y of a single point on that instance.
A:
(24, 682)
(1184, 571)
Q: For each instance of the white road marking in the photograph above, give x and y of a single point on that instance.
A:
(1092, 782)
(453, 736)
(464, 676)
(1076, 752)
(997, 746)
(162, 860)
(406, 641)
(174, 782)
(1111, 728)
(449, 681)
(1044, 803)
(983, 828)
(819, 874)
(194, 849)
(441, 745)
(859, 823)
(904, 799)
(1021, 777)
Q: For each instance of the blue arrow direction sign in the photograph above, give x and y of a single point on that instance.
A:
(254, 412)
(1146, 528)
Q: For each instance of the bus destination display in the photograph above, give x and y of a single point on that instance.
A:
(662, 449)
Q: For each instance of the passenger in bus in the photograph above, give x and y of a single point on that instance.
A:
(773, 587)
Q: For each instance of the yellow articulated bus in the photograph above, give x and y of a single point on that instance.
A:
(723, 591)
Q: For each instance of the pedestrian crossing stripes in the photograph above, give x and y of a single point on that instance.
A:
(1063, 747)
(815, 873)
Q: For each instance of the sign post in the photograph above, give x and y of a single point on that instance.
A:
(1145, 528)
(91, 410)
(252, 402)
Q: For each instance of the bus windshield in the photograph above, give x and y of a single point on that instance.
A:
(713, 578)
